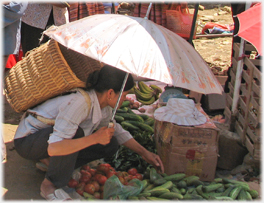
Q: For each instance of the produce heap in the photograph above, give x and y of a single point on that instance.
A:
(128, 167)
(160, 187)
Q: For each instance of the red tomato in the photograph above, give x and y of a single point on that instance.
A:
(97, 176)
(89, 188)
(92, 171)
(85, 178)
(97, 195)
(127, 178)
(112, 169)
(80, 185)
(125, 174)
(86, 173)
(132, 171)
(139, 176)
(85, 167)
(79, 191)
(72, 183)
(110, 173)
(96, 185)
(79, 188)
(102, 179)
(119, 174)
(103, 167)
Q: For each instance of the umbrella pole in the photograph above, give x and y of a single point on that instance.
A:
(149, 8)
(111, 124)
(193, 23)
(237, 81)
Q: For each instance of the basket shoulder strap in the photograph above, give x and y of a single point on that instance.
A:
(52, 121)
(86, 97)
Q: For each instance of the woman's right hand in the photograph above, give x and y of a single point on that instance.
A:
(104, 135)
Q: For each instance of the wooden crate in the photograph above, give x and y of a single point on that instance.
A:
(248, 118)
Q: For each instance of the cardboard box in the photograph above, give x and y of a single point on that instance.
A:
(189, 150)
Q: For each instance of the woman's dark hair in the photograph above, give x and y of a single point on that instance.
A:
(107, 78)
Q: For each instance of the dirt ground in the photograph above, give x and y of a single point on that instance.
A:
(21, 180)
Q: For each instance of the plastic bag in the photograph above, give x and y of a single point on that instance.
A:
(115, 190)
(180, 21)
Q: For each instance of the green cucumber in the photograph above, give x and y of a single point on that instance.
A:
(212, 187)
(171, 195)
(142, 126)
(159, 181)
(254, 193)
(125, 104)
(119, 119)
(130, 116)
(175, 177)
(192, 197)
(234, 193)
(189, 180)
(144, 116)
(128, 126)
(244, 195)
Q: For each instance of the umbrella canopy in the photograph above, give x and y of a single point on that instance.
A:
(138, 46)
(250, 26)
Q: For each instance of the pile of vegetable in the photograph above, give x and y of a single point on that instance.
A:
(160, 187)
(181, 187)
(141, 127)
(90, 182)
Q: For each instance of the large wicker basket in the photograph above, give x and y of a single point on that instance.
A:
(46, 72)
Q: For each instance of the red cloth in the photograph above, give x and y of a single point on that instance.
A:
(13, 59)
(211, 25)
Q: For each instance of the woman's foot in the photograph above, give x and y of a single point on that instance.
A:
(45, 161)
(47, 188)
(49, 192)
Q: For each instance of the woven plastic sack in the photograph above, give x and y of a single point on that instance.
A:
(115, 190)
(180, 21)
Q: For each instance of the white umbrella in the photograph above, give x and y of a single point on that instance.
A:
(138, 46)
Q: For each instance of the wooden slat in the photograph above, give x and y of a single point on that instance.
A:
(254, 103)
(231, 89)
(241, 120)
(236, 49)
(239, 131)
(243, 89)
(255, 139)
(246, 76)
(249, 47)
(256, 88)
(229, 100)
(256, 62)
(242, 103)
(253, 119)
(257, 74)
(250, 147)
(233, 77)
(234, 63)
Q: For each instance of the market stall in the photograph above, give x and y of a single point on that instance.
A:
(154, 113)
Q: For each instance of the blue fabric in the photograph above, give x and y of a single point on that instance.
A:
(12, 14)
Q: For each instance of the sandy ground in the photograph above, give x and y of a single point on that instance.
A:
(20, 178)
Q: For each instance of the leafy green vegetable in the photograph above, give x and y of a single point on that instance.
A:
(125, 158)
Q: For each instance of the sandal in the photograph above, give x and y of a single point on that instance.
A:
(58, 195)
(41, 166)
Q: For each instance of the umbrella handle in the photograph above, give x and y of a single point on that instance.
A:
(111, 123)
